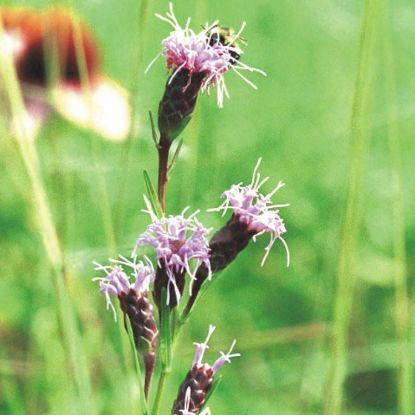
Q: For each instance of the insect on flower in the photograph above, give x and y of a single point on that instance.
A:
(228, 37)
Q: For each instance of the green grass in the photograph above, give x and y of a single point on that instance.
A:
(284, 319)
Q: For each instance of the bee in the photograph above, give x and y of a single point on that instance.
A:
(226, 36)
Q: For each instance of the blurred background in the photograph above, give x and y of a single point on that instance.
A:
(299, 121)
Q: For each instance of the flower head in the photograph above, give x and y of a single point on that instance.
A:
(177, 241)
(256, 210)
(202, 53)
(116, 281)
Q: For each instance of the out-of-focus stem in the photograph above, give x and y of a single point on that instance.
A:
(163, 150)
(402, 304)
(351, 221)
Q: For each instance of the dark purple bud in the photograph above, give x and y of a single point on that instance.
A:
(178, 102)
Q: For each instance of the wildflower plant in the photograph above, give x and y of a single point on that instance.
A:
(180, 253)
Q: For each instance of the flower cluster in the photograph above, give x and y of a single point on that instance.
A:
(178, 244)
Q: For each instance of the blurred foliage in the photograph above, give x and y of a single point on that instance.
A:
(298, 121)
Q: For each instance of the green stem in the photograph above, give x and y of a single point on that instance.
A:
(402, 306)
(163, 151)
(160, 390)
(350, 226)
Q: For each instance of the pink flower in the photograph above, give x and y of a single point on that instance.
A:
(117, 282)
(200, 351)
(199, 53)
(256, 210)
(177, 242)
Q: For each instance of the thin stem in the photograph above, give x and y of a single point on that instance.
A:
(350, 226)
(163, 151)
(402, 305)
(159, 393)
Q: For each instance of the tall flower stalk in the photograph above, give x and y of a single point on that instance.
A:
(173, 257)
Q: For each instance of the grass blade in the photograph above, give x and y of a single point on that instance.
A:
(350, 227)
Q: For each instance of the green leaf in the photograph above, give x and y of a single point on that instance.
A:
(152, 196)
(175, 156)
(153, 130)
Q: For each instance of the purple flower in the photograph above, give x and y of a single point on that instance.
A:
(177, 242)
(256, 210)
(202, 347)
(117, 283)
(198, 53)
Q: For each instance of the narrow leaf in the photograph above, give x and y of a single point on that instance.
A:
(175, 156)
(153, 130)
(152, 195)
(138, 371)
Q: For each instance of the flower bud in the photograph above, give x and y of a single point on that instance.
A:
(178, 102)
